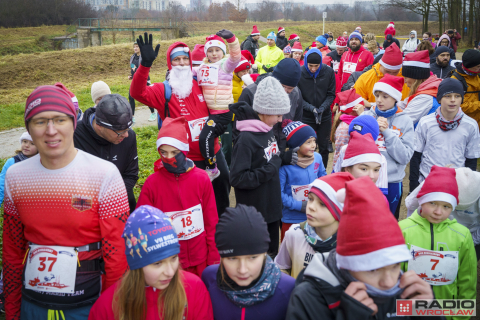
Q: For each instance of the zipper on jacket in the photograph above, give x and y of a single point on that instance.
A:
(431, 235)
(178, 187)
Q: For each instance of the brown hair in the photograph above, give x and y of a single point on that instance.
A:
(369, 37)
(336, 123)
(414, 87)
(291, 55)
(425, 45)
(222, 270)
(130, 303)
(371, 45)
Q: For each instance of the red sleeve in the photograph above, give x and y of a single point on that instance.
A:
(458, 36)
(102, 308)
(340, 67)
(210, 215)
(369, 60)
(152, 96)
(338, 88)
(145, 196)
(198, 297)
(113, 213)
(394, 32)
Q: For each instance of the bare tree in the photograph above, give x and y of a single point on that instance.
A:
(421, 7)
(377, 8)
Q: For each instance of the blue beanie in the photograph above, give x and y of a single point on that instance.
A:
(322, 40)
(179, 51)
(288, 72)
(297, 133)
(441, 49)
(450, 85)
(365, 124)
(149, 237)
(272, 35)
(355, 34)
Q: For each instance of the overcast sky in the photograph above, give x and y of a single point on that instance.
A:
(184, 2)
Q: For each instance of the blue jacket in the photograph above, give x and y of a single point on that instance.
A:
(298, 176)
(7, 165)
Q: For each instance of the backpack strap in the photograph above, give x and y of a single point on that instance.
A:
(459, 78)
(168, 96)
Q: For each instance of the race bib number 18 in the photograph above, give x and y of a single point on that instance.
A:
(187, 223)
(51, 269)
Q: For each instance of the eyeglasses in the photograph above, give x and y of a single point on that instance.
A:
(42, 123)
(120, 133)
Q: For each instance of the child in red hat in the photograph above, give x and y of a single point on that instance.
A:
(297, 53)
(186, 196)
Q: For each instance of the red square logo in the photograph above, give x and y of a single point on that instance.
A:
(404, 308)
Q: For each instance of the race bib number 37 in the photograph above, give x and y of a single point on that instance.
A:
(51, 269)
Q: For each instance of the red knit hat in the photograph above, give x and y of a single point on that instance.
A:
(416, 65)
(198, 54)
(49, 98)
(368, 236)
(360, 149)
(391, 85)
(70, 93)
(248, 56)
(440, 185)
(280, 29)
(392, 58)
(348, 100)
(242, 65)
(327, 187)
(174, 133)
(341, 42)
(297, 46)
(215, 41)
(293, 36)
(255, 31)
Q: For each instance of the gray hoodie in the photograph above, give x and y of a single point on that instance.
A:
(396, 144)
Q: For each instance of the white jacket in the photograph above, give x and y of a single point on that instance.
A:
(410, 45)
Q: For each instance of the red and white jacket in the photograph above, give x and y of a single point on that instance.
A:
(169, 192)
(351, 62)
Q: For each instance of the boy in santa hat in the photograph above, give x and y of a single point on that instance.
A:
(318, 233)
(336, 55)
(397, 136)
(362, 277)
(297, 53)
(251, 43)
(295, 178)
(215, 75)
(430, 233)
(186, 196)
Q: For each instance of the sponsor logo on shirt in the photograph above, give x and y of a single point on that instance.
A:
(81, 203)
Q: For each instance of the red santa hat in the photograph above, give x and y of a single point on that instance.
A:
(391, 85)
(242, 65)
(255, 31)
(280, 29)
(215, 41)
(248, 56)
(440, 185)
(416, 65)
(361, 149)
(198, 54)
(174, 133)
(341, 42)
(348, 100)
(392, 58)
(293, 36)
(297, 47)
(327, 188)
(368, 236)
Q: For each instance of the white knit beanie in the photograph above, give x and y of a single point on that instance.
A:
(25, 136)
(468, 182)
(99, 89)
(271, 98)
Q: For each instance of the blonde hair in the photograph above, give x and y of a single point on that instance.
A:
(372, 45)
(415, 85)
(130, 303)
(369, 37)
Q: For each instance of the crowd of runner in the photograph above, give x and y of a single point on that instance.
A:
(303, 242)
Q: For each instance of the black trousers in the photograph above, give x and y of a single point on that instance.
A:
(274, 231)
(323, 133)
(214, 127)
(221, 185)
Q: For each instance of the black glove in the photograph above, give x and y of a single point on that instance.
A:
(318, 116)
(219, 129)
(290, 157)
(267, 69)
(146, 50)
(225, 34)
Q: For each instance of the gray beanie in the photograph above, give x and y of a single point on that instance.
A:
(271, 98)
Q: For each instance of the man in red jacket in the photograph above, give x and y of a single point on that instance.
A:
(184, 193)
(356, 59)
(186, 101)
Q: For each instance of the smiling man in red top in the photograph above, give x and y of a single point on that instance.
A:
(355, 59)
(65, 211)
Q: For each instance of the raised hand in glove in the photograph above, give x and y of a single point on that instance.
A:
(318, 116)
(227, 35)
(146, 50)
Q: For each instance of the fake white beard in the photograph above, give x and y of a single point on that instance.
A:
(181, 81)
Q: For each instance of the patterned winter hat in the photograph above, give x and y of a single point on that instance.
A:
(70, 93)
(272, 36)
(287, 49)
(348, 100)
(297, 133)
(440, 185)
(215, 41)
(341, 42)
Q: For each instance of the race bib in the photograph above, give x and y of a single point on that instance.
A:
(271, 150)
(208, 75)
(335, 66)
(381, 143)
(438, 268)
(300, 193)
(349, 67)
(196, 127)
(187, 223)
(51, 269)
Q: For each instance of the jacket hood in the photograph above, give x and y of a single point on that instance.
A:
(444, 36)
(86, 121)
(173, 46)
(243, 111)
(306, 61)
(415, 33)
(317, 269)
(424, 224)
(431, 83)
(458, 67)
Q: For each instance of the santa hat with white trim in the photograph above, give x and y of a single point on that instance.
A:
(348, 100)
(361, 149)
(341, 42)
(198, 54)
(215, 41)
(255, 31)
(416, 65)
(392, 58)
(174, 133)
(327, 189)
(297, 47)
(280, 29)
(440, 185)
(244, 64)
(293, 36)
(391, 85)
(368, 236)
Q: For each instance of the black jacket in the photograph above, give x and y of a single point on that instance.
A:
(251, 45)
(122, 155)
(439, 71)
(281, 42)
(335, 56)
(255, 180)
(318, 294)
(318, 91)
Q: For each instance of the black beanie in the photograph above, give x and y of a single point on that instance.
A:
(314, 58)
(449, 85)
(441, 49)
(241, 231)
(288, 72)
(471, 58)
